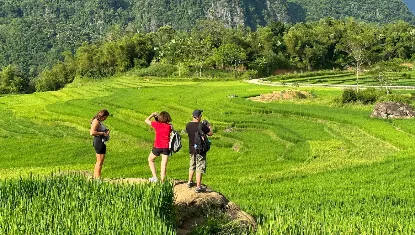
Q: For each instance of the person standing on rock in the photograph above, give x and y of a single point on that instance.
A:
(197, 158)
(101, 136)
(161, 143)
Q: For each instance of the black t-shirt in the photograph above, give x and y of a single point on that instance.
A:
(191, 129)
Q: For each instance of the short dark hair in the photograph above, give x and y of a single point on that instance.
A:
(164, 117)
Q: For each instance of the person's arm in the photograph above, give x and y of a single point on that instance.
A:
(148, 121)
(208, 130)
(94, 126)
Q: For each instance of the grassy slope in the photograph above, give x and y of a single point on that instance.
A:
(298, 164)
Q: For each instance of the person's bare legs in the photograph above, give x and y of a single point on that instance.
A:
(151, 164)
(98, 165)
(191, 173)
(198, 179)
(164, 160)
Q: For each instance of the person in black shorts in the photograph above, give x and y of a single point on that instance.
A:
(197, 160)
(101, 136)
(162, 127)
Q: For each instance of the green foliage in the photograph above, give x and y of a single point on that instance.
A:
(72, 204)
(12, 81)
(402, 98)
(349, 96)
(157, 70)
(382, 11)
(365, 96)
(55, 78)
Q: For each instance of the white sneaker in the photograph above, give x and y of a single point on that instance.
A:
(152, 180)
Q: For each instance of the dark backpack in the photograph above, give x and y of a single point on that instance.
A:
(175, 143)
(202, 143)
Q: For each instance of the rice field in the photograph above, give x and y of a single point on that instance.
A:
(298, 166)
(344, 78)
(70, 204)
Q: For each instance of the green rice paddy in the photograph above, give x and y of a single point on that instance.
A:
(298, 166)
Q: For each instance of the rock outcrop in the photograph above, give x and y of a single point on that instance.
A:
(392, 110)
(192, 207)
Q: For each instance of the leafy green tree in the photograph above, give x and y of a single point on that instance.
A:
(305, 46)
(12, 81)
(229, 55)
(356, 42)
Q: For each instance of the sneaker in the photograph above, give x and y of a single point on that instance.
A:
(200, 190)
(152, 180)
(190, 184)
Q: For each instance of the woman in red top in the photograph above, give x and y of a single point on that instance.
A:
(161, 143)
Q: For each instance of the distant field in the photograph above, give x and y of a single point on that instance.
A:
(300, 167)
(344, 78)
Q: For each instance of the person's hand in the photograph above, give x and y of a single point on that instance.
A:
(154, 114)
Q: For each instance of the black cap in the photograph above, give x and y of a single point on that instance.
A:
(197, 113)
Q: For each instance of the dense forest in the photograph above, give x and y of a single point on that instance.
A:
(211, 46)
(35, 36)
(380, 11)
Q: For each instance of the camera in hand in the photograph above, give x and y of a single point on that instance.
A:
(106, 137)
(156, 118)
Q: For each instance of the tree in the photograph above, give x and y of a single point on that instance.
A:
(356, 42)
(229, 54)
(12, 81)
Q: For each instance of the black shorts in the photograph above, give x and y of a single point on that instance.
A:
(158, 151)
(99, 145)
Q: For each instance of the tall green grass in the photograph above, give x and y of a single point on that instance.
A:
(74, 205)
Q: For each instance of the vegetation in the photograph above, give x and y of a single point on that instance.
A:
(306, 165)
(38, 38)
(71, 204)
(382, 11)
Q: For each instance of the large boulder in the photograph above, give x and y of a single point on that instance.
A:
(392, 110)
(192, 207)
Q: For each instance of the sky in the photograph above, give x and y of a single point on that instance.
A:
(411, 5)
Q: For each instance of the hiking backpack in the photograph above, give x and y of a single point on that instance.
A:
(202, 143)
(175, 143)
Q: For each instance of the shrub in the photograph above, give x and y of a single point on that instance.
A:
(366, 96)
(158, 70)
(369, 95)
(396, 98)
(349, 95)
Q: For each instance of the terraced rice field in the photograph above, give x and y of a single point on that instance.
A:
(344, 78)
(299, 166)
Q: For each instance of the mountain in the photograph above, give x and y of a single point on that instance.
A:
(381, 11)
(411, 5)
(34, 34)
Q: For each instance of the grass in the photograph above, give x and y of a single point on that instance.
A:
(304, 166)
(70, 204)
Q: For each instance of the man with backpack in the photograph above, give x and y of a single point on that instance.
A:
(198, 146)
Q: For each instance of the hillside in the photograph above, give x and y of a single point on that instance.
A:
(34, 34)
(381, 11)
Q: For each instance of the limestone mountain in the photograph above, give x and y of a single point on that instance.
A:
(33, 34)
(382, 11)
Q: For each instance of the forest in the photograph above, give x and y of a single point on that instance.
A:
(45, 45)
